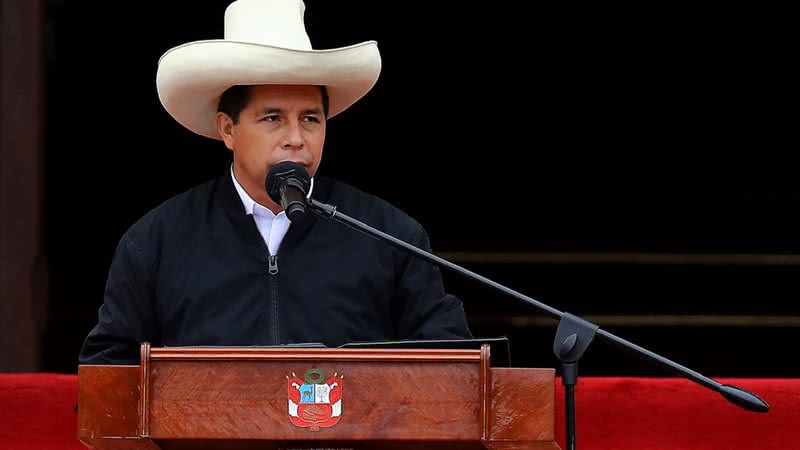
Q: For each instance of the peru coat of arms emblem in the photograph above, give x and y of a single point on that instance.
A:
(315, 401)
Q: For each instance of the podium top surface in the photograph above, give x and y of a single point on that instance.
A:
(454, 350)
(500, 349)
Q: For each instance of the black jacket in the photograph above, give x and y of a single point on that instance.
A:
(196, 271)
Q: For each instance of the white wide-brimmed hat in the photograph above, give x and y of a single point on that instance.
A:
(265, 43)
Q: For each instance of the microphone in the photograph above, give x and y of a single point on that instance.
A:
(287, 184)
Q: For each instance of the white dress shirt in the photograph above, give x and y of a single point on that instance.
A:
(271, 226)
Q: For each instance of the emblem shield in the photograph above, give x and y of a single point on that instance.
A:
(315, 402)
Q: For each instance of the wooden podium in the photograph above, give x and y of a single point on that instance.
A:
(302, 398)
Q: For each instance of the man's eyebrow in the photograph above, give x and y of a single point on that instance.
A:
(270, 110)
(273, 110)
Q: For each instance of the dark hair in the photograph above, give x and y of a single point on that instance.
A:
(235, 99)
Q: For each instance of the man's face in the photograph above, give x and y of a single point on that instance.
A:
(280, 123)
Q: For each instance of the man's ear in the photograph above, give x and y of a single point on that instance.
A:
(225, 128)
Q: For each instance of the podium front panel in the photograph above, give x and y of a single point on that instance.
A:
(289, 398)
(251, 400)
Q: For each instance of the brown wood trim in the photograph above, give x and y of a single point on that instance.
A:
(485, 382)
(313, 354)
(515, 390)
(109, 398)
(120, 444)
(144, 405)
(522, 445)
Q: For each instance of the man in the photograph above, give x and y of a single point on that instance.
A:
(221, 264)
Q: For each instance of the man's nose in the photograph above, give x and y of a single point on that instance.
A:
(293, 137)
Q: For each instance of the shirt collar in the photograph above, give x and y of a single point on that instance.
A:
(250, 204)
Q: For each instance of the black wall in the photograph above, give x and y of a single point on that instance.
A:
(528, 131)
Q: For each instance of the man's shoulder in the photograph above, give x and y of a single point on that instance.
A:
(181, 208)
(371, 208)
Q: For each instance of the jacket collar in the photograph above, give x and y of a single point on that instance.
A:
(235, 209)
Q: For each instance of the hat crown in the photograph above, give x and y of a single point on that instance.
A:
(279, 23)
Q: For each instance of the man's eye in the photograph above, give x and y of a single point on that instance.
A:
(310, 119)
(271, 118)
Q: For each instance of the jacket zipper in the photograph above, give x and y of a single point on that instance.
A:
(273, 279)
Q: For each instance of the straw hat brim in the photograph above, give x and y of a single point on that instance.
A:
(192, 77)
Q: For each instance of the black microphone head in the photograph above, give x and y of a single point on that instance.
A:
(281, 173)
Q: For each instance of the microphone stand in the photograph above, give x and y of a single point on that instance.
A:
(573, 334)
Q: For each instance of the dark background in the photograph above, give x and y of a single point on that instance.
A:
(632, 166)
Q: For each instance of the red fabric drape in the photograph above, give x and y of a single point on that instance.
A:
(675, 413)
(37, 413)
